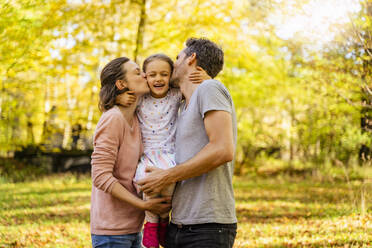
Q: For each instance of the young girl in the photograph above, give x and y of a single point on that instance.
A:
(157, 113)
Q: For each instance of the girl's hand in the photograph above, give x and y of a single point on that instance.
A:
(126, 99)
(199, 76)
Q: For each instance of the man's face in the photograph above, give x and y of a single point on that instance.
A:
(180, 66)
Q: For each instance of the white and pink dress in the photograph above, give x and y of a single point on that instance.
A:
(157, 118)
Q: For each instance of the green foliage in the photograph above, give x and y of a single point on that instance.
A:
(304, 102)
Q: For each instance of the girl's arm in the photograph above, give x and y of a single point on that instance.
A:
(126, 99)
(199, 76)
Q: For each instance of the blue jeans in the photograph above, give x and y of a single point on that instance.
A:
(210, 235)
(117, 241)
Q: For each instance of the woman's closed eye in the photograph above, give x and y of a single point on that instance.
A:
(138, 72)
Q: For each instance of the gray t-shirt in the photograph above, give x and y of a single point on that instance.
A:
(210, 197)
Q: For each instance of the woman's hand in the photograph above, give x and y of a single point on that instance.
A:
(158, 205)
(126, 99)
(155, 205)
(199, 76)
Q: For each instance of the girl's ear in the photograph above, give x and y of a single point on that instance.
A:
(120, 84)
(191, 59)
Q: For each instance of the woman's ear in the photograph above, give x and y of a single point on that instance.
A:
(120, 84)
(191, 59)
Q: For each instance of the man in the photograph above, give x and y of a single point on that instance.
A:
(203, 205)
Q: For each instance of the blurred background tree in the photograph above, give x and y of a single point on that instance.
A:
(299, 71)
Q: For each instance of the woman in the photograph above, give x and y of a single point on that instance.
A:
(117, 213)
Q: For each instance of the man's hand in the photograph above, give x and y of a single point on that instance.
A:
(158, 205)
(126, 99)
(154, 182)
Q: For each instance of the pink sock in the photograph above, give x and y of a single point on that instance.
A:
(150, 235)
(162, 231)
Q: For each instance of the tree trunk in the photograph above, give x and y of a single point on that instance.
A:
(140, 30)
(366, 111)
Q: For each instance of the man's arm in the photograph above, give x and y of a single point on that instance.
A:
(219, 150)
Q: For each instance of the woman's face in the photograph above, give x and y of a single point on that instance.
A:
(135, 79)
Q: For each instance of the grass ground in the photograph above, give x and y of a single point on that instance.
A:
(272, 212)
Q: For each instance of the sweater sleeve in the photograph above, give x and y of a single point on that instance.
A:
(107, 140)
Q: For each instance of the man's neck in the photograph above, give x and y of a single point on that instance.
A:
(187, 88)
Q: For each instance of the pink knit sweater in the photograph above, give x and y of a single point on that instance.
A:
(117, 149)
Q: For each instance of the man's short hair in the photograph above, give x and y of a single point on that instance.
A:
(209, 55)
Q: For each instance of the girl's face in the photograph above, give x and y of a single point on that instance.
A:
(135, 78)
(158, 74)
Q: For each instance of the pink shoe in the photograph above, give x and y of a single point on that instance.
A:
(150, 235)
(162, 231)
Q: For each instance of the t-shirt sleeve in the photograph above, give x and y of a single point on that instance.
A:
(212, 95)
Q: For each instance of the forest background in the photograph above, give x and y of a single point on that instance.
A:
(299, 72)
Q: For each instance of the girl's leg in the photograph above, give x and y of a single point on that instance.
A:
(168, 191)
(150, 217)
(164, 218)
(150, 230)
